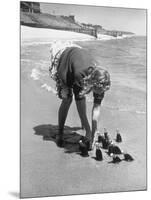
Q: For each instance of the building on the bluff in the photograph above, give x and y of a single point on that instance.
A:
(31, 7)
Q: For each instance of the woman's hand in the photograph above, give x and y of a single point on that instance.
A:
(64, 93)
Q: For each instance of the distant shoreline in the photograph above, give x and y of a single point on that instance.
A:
(66, 23)
(44, 35)
(30, 35)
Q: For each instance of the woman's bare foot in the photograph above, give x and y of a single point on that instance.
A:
(59, 140)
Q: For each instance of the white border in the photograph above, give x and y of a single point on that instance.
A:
(9, 90)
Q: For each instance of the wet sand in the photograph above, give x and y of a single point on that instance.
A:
(47, 170)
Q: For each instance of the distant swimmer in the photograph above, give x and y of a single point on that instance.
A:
(75, 71)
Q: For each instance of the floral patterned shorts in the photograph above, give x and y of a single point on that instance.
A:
(63, 91)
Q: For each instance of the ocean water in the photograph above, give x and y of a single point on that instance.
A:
(125, 59)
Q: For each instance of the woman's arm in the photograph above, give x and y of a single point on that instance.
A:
(96, 111)
(95, 117)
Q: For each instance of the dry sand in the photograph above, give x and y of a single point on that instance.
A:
(48, 170)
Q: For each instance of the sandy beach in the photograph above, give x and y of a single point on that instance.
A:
(47, 170)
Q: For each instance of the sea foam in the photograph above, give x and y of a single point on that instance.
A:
(49, 88)
(35, 74)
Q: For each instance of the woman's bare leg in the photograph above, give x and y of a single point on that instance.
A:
(81, 107)
(62, 115)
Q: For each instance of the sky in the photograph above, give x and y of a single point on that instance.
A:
(124, 19)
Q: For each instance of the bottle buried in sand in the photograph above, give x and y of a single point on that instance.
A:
(98, 152)
(83, 149)
(103, 139)
(106, 135)
(106, 141)
(100, 138)
(116, 159)
(86, 142)
(114, 149)
(118, 136)
(128, 157)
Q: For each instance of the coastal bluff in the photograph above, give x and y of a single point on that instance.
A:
(31, 15)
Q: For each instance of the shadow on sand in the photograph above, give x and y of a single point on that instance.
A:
(71, 138)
